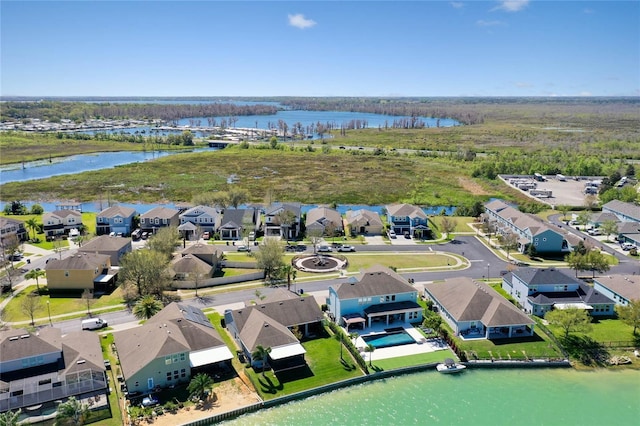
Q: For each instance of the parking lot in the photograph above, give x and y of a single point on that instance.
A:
(569, 192)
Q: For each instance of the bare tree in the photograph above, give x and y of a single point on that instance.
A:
(315, 237)
(31, 304)
(87, 296)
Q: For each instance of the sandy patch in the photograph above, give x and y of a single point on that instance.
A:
(231, 394)
(472, 186)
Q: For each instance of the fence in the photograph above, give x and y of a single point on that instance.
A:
(212, 282)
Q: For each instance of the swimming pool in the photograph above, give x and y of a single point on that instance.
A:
(384, 340)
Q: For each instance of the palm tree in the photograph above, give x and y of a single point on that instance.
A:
(72, 412)
(260, 352)
(35, 274)
(199, 385)
(291, 274)
(10, 418)
(32, 225)
(146, 307)
(370, 348)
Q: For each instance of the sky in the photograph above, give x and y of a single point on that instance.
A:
(425, 48)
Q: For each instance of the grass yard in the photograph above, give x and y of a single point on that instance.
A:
(603, 331)
(57, 305)
(324, 367)
(409, 360)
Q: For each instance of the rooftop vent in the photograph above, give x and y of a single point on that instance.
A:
(24, 336)
(81, 361)
(14, 338)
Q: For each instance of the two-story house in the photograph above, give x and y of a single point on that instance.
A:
(377, 295)
(236, 223)
(622, 289)
(528, 229)
(364, 222)
(475, 310)
(204, 218)
(114, 247)
(408, 220)
(629, 216)
(159, 217)
(10, 227)
(283, 220)
(538, 291)
(44, 366)
(176, 343)
(60, 222)
(325, 221)
(81, 271)
(116, 219)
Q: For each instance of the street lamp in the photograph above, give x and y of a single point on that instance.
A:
(488, 266)
(49, 312)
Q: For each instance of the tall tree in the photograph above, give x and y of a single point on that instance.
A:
(447, 225)
(609, 227)
(31, 304)
(237, 196)
(370, 348)
(576, 261)
(286, 219)
(147, 270)
(165, 241)
(32, 225)
(569, 320)
(315, 236)
(509, 242)
(71, 412)
(597, 262)
(199, 385)
(35, 274)
(630, 314)
(270, 257)
(146, 307)
(290, 272)
(87, 296)
(261, 353)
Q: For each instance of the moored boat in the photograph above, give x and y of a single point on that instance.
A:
(450, 366)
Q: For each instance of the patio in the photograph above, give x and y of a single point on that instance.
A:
(422, 344)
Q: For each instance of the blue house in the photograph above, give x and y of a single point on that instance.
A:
(376, 295)
(528, 229)
(622, 289)
(540, 290)
(117, 219)
(407, 219)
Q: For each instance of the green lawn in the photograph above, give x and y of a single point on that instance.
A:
(324, 367)
(57, 305)
(603, 331)
(409, 360)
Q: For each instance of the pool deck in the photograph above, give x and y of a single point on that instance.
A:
(422, 345)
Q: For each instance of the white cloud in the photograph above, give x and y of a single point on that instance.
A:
(483, 23)
(585, 93)
(512, 5)
(523, 85)
(457, 4)
(299, 21)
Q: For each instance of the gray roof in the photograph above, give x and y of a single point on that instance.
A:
(106, 243)
(401, 210)
(177, 328)
(363, 218)
(200, 210)
(115, 211)
(237, 218)
(628, 227)
(20, 343)
(262, 330)
(601, 217)
(583, 293)
(288, 312)
(627, 286)
(374, 281)
(79, 262)
(160, 212)
(518, 219)
(191, 264)
(323, 215)
(63, 213)
(536, 276)
(627, 209)
(273, 209)
(469, 300)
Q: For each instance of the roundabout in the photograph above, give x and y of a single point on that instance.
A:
(319, 263)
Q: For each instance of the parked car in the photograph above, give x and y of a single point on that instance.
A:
(244, 248)
(252, 236)
(392, 234)
(346, 248)
(206, 235)
(594, 231)
(627, 246)
(150, 401)
(324, 249)
(407, 235)
(93, 324)
(144, 235)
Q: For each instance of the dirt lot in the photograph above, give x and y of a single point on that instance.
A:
(568, 192)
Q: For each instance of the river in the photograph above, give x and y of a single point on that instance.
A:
(478, 397)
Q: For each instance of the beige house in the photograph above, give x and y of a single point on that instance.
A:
(60, 222)
(159, 217)
(191, 268)
(81, 271)
(205, 252)
(364, 222)
(115, 247)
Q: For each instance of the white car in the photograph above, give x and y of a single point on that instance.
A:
(392, 234)
(244, 248)
(346, 248)
(594, 231)
(324, 249)
(627, 246)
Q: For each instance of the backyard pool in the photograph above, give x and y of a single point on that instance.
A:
(389, 338)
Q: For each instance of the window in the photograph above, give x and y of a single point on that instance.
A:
(167, 360)
(175, 374)
(183, 373)
(168, 376)
(175, 358)
(66, 273)
(183, 357)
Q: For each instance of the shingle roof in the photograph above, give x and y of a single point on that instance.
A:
(105, 243)
(20, 343)
(263, 330)
(583, 293)
(374, 281)
(401, 210)
(114, 211)
(292, 207)
(79, 261)
(160, 212)
(628, 286)
(177, 328)
(324, 213)
(363, 218)
(190, 264)
(469, 300)
(536, 276)
(236, 218)
(288, 312)
(63, 213)
(627, 209)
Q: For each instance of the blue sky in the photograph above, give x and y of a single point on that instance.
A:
(320, 48)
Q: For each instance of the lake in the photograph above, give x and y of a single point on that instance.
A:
(477, 397)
